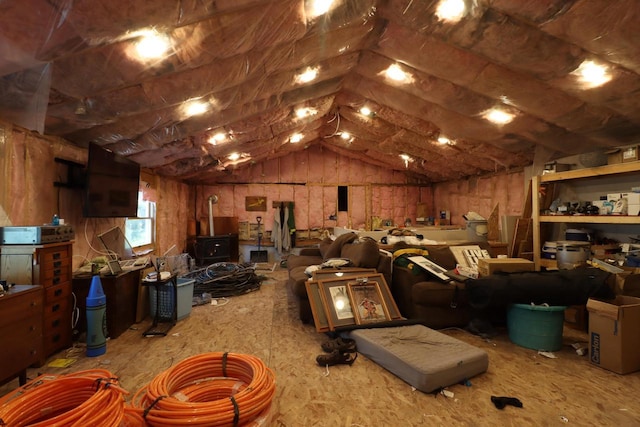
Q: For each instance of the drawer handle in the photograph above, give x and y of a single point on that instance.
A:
(56, 280)
(34, 303)
(55, 338)
(57, 264)
(56, 255)
(32, 328)
(57, 272)
(55, 307)
(57, 292)
(55, 323)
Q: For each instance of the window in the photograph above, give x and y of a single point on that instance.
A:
(141, 230)
(343, 198)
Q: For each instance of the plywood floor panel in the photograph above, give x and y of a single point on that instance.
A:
(265, 323)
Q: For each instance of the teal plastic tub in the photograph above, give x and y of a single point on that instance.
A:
(536, 327)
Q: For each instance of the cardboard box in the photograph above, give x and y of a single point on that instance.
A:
(489, 266)
(630, 154)
(627, 283)
(614, 333)
(614, 156)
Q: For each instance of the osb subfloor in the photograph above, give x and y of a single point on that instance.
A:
(567, 389)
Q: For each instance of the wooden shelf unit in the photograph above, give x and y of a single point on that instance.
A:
(620, 169)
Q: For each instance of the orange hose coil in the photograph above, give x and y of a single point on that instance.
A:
(211, 389)
(91, 397)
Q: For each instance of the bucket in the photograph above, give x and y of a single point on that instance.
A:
(537, 327)
(572, 254)
(477, 231)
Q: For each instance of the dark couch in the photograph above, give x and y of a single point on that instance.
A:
(362, 253)
(420, 296)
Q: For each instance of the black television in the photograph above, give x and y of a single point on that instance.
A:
(111, 185)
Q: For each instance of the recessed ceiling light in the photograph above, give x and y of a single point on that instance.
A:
(234, 156)
(396, 73)
(307, 75)
(345, 135)
(296, 137)
(451, 10)
(152, 45)
(592, 74)
(497, 116)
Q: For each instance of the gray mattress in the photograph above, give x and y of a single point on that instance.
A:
(424, 358)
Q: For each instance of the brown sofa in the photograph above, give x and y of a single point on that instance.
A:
(363, 253)
(422, 297)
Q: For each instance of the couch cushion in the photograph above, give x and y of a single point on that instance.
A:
(332, 248)
(362, 253)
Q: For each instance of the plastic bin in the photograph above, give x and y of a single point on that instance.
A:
(166, 303)
(536, 327)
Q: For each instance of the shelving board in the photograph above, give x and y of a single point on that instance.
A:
(591, 219)
(618, 168)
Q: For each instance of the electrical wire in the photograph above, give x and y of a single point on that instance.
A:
(225, 279)
(89, 397)
(208, 390)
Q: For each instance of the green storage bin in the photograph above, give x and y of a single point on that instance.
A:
(536, 327)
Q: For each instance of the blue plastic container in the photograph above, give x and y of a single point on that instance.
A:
(536, 327)
(96, 319)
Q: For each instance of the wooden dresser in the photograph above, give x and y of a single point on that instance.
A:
(48, 265)
(20, 331)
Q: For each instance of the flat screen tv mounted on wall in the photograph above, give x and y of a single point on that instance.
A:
(111, 186)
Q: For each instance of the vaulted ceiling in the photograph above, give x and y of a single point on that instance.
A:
(67, 69)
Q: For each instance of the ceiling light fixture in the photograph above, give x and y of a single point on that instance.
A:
(444, 140)
(451, 10)
(234, 156)
(407, 158)
(345, 135)
(497, 116)
(396, 73)
(592, 74)
(303, 112)
(318, 7)
(307, 75)
(152, 45)
(195, 107)
(217, 138)
(366, 111)
(296, 137)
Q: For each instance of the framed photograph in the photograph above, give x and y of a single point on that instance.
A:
(367, 302)
(317, 306)
(390, 302)
(335, 297)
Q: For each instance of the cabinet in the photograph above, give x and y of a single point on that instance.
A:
(20, 331)
(121, 292)
(48, 265)
(628, 172)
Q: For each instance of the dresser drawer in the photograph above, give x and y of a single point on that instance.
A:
(56, 307)
(55, 293)
(57, 339)
(56, 269)
(48, 256)
(21, 307)
(22, 345)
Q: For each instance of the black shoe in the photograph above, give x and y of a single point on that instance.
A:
(343, 345)
(336, 358)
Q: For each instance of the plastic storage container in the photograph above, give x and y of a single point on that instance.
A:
(166, 303)
(536, 327)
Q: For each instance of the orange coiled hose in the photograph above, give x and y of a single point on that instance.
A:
(91, 397)
(211, 389)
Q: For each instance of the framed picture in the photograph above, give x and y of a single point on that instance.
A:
(392, 308)
(335, 297)
(367, 302)
(335, 273)
(317, 307)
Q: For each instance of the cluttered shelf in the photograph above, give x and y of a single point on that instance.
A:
(592, 219)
